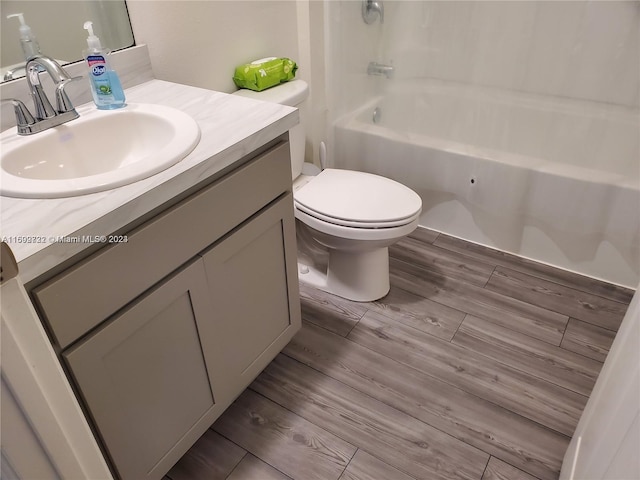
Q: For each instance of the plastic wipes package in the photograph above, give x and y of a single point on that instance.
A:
(264, 73)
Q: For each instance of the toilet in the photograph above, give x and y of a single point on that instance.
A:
(355, 216)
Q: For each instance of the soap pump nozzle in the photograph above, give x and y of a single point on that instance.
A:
(28, 40)
(25, 30)
(92, 40)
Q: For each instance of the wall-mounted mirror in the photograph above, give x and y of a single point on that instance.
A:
(57, 24)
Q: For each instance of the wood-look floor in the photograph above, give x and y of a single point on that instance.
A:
(476, 365)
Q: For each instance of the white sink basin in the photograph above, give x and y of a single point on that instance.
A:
(102, 149)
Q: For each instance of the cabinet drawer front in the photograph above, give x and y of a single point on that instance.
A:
(144, 378)
(83, 296)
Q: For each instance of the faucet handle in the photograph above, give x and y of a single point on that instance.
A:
(63, 103)
(42, 106)
(23, 116)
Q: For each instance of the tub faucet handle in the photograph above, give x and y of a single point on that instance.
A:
(375, 68)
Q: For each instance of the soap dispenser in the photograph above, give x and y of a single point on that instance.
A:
(28, 40)
(105, 85)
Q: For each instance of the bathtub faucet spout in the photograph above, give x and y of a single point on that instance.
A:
(372, 9)
(376, 68)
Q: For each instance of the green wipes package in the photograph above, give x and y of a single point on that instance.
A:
(264, 73)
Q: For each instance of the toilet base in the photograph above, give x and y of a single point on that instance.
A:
(357, 276)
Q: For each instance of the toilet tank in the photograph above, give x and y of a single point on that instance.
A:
(291, 93)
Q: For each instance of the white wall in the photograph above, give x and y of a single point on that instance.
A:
(311, 40)
(582, 49)
(586, 50)
(350, 46)
(200, 43)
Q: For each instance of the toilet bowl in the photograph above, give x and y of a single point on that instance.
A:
(355, 216)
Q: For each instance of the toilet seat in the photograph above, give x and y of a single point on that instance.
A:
(366, 235)
(357, 199)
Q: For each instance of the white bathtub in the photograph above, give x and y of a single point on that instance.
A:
(551, 179)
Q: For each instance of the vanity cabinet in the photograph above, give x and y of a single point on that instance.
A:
(161, 333)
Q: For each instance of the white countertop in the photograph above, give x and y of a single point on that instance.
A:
(231, 127)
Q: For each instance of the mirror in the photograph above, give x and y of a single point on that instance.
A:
(58, 27)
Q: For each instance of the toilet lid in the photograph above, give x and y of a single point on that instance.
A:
(360, 199)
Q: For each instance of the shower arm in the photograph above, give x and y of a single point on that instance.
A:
(372, 9)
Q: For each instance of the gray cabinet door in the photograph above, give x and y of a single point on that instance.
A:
(144, 378)
(253, 286)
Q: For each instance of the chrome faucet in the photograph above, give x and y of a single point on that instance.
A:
(9, 75)
(45, 116)
(375, 68)
(371, 9)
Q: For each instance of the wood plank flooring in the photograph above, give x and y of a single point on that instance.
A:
(476, 365)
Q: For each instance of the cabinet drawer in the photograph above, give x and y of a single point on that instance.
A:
(80, 298)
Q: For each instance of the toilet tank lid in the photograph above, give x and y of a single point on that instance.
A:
(290, 93)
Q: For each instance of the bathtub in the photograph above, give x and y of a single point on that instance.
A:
(551, 179)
